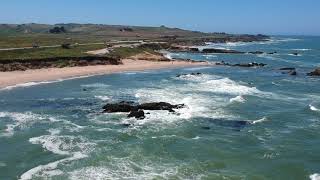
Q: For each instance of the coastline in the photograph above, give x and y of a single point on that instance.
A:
(14, 78)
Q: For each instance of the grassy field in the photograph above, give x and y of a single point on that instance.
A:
(38, 53)
(75, 51)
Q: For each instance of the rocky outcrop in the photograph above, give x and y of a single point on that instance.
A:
(139, 114)
(137, 110)
(275, 52)
(289, 70)
(252, 64)
(160, 106)
(316, 72)
(221, 51)
(192, 74)
(256, 52)
(293, 73)
(57, 62)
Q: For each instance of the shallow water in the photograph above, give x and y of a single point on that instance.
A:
(57, 130)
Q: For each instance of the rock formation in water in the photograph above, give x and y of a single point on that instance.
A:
(316, 72)
(137, 110)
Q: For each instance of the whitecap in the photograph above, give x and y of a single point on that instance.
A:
(196, 138)
(298, 55)
(313, 108)
(21, 120)
(264, 119)
(209, 56)
(2, 164)
(226, 86)
(62, 145)
(315, 176)
(75, 147)
(103, 98)
(239, 99)
(302, 49)
(50, 168)
(125, 168)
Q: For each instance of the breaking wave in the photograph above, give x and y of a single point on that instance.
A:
(313, 108)
(75, 147)
(315, 177)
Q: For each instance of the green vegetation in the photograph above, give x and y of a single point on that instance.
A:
(125, 52)
(38, 53)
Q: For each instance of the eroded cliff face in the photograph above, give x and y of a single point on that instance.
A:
(57, 62)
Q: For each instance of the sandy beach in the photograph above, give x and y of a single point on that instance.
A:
(20, 77)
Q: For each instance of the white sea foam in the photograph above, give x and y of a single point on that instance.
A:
(196, 138)
(313, 108)
(209, 56)
(239, 99)
(50, 168)
(226, 86)
(198, 102)
(264, 119)
(20, 120)
(29, 84)
(299, 55)
(302, 49)
(2, 164)
(103, 98)
(124, 168)
(168, 55)
(23, 120)
(75, 147)
(315, 176)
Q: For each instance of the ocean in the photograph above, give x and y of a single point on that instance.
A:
(238, 123)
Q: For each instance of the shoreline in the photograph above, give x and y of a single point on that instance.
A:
(12, 79)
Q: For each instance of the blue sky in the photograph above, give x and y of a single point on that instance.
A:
(299, 17)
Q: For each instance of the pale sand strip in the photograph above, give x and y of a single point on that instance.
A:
(38, 75)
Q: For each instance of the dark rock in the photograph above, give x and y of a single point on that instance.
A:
(137, 110)
(194, 49)
(137, 114)
(192, 74)
(126, 125)
(316, 72)
(287, 69)
(221, 51)
(292, 73)
(256, 52)
(252, 64)
(119, 107)
(160, 106)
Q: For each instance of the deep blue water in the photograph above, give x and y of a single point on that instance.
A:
(57, 130)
